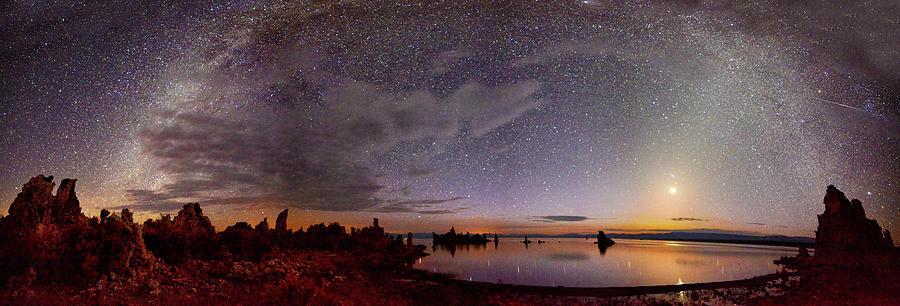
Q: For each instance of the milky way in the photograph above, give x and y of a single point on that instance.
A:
(512, 117)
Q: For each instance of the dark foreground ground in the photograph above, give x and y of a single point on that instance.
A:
(340, 278)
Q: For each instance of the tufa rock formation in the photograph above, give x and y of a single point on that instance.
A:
(48, 243)
(190, 219)
(281, 221)
(263, 225)
(375, 231)
(190, 234)
(36, 204)
(67, 208)
(451, 238)
(242, 241)
(603, 241)
(54, 242)
(845, 235)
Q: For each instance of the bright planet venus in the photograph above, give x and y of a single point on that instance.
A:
(512, 117)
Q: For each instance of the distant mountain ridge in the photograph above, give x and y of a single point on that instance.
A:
(779, 240)
(702, 235)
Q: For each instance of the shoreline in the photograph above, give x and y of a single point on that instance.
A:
(810, 246)
(602, 291)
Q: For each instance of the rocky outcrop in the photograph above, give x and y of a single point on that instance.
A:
(190, 220)
(67, 209)
(190, 234)
(846, 236)
(45, 239)
(242, 241)
(36, 204)
(281, 221)
(55, 242)
(263, 225)
(127, 216)
(116, 245)
(32, 206)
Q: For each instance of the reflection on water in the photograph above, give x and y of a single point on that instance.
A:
(562, 256)
(576, 262)
(451, 248)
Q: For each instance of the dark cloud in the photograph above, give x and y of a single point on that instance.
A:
(268, 163)
(756, 223)
(187, 188)
(687, 219)
(552, 219)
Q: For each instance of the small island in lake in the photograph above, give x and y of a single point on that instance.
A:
(452, 238)
(603, 241)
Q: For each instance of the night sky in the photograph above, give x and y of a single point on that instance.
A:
(513, 117)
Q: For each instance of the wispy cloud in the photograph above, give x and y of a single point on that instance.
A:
(419, 206)
(553, 219)
(688, 219)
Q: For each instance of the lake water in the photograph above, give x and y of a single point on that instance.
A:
(574, 262)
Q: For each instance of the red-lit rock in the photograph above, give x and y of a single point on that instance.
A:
(190, 219)
(32, 206)
(55, 242)
(66, 208)
(190, 234)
